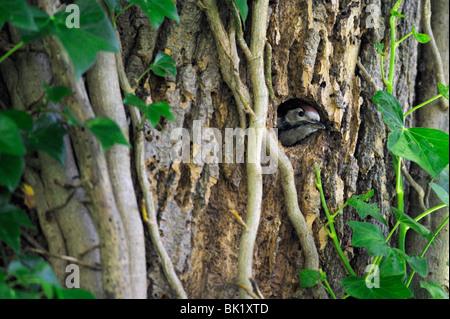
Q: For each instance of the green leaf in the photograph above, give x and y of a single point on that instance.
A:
(17, 12)
(441, 187)
(74, 293)
(411, 223)
(34, 269)
(420, 37)
(107, 132)
(48, 135)
(365, 209)
(394, 264)
(443, 90)
(56, 94)
(419, 264)
(380, 47)
(152, 112)
(390, 287)
(156, 110)
(427, 147)
(11, 219)
(435, 290)
(133, 100)
(309, 278)
(163, 65)
(369, 236)
(114, 5)
(243, 9)
(11, 169)
(10, 139)
(95, 33)
(22, 119)
(397, 14)
(157, 10)
(390, 108)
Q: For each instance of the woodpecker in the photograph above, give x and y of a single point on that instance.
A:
(296, 120)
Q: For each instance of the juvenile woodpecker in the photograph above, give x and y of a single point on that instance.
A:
(296, 120)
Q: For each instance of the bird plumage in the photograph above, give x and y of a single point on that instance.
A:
(296, 120)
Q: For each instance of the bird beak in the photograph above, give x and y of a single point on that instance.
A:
(318, 125)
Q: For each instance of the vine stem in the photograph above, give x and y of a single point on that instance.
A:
(402, 233)
(423, 104)
(14, 49)
(408, 282)
(332, 231)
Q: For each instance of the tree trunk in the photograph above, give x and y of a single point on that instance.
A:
(315, 49)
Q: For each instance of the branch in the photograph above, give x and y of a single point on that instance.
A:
(366, 74)
(64, 257)
(148, 201)
(416, 186)
(439, 68)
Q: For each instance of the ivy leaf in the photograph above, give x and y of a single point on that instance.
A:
(107, 132)
(11, 219)
(156, 110)
(427, 147)
(22, 119)
(390, 108)
(365, 209)
(380, 47)
(411, 223)
(18, 13)
(420, 37)
(152, 112)
(243, 9)
(73, 294)
(32, 269)
(11, 169)
(443, 90)
(435, 290)
(10, 139)
(157, 10)
(309, 278)
(369, 236)
(390, 287)
(95, 33)
(163, 65)
(441, 187)
(48, 135)
(56, 94)
(419, 264)
(394, 264)
(114, 5)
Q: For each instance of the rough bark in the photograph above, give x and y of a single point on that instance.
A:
(316, 46)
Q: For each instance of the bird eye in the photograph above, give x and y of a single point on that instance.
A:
(301, 113)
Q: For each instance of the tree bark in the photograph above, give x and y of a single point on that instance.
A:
(315, 50)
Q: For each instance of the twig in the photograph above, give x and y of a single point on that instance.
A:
(148, 201)
(247, 289)
(439, 68)
(268, 70)
(63, 257)
(416, 186)
(366, 74)
(238, 217)
(87, 251)
(290, 196)
(239, 34)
